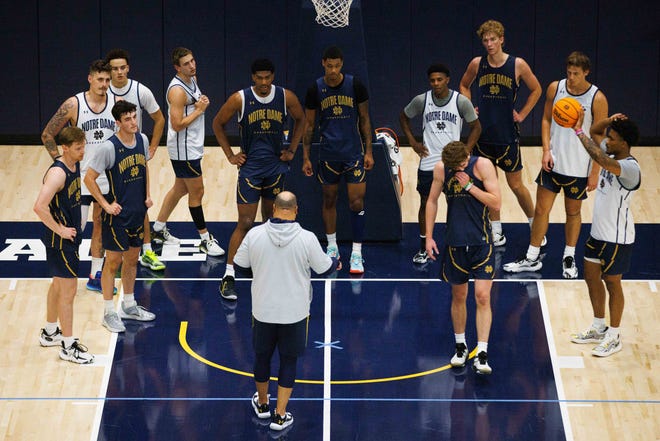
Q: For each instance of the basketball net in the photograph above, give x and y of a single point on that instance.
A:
(332, 13)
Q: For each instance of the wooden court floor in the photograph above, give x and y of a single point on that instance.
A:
(42, 397)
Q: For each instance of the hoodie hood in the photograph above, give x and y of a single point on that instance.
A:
(281, 232)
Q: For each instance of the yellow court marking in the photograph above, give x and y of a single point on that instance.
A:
(184, 344)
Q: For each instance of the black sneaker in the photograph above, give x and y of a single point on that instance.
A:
(460, 357)
(261, 410)
(279, 422)
(227, 290)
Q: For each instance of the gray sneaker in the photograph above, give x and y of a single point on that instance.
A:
(591, 335)
(113, 323)
(136, 312)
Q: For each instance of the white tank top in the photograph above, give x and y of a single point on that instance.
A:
(138, 94)
(187, 144)
(440, 125)
(570, 158)
(98, 127)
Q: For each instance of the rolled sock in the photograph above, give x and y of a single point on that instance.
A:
(533, 252)
(482, 346)
(158, 226)
(460, 338)
(569, 251)
(332, 239)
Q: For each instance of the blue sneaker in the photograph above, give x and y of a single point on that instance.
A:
(94, 284)
(357, 266)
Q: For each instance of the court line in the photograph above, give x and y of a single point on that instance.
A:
(327, 358)
(12, 284)
(568, 431)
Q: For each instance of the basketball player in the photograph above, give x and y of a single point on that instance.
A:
(91, 111)
(281, 255)
(608, 250)
(58, 207)
(471, 188)
(262, 163)
(137, 93)
(443, 111)
(342, 104)
(565, 165)
(498, 76)
(185, 145)
(123, 159)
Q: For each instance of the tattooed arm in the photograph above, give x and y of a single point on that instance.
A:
(592, 146)
(66, 114)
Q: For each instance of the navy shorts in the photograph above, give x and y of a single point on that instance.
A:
(506, 157)
(459, 263)
(614, 257)
(424, 181)
(291, 339)
(116, 238)
(330, 172)
(87, 199)
(574, 188)
(62, 263)
(187, 169)
(250, 190)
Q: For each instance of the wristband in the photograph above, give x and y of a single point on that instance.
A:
(579, 132)
(468, 186)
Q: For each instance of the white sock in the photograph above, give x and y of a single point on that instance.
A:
(158, 226)
(482, 346)
(205, 236)
(229, 271)
(332, 239)
(50, 328)
(97, 265)
(569, 251)
(533, 252)
(496, 226)
(460, 338)
(68, 341)
(531, 221)
(357, 248)
(612, 331)
(599, 324)
(109, 306)
(129, 300)
(146, 247)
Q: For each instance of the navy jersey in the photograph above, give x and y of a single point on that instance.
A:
(467, 218)
(338, 121)
(497, 94)
(65, 209)
(128, 183)
(262, 124)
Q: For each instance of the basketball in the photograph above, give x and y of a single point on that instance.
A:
(565, 111)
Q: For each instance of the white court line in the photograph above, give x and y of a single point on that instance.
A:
(327, 338)
(652, 286)
(12, 284)
(107, 360)
(561, 396)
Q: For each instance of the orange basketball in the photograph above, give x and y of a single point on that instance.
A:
(565, 111)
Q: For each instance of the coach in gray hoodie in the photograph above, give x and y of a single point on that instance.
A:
(281, 255)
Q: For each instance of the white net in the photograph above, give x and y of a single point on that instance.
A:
(332, 13)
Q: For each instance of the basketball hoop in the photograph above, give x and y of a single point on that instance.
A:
(332, 13)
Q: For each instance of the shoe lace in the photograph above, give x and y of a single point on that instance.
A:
(568, 261)
(78, 347)
(483, 357)
(460, 349)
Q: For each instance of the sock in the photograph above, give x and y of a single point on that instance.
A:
(50, 328)
(612, 331)
(460, 338)
(533, 252)
(68, 341)
(108, 306)
(229, 271)
(357, 248)
(146, 247)
(599, 324)
(129, 300)
(531, 221)
(205, 236)
(482, 346)
(332, 239)
(97, 265)
(422, 243)
(569, 251)
(496, 226)
(159, 226)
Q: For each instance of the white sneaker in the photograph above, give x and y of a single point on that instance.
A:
(499, 239)
(357, 264)
(211, 247)
(523, 264)
(569, 269)
(610, 345)
(591, 335)
(54, 339)
(481, 364)
(460, 357)
(279, 422)
(136, 312)
(544, 242)
(113, 323)
(164, 237)
(261, 410)
(76, 353)
(421, 257)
